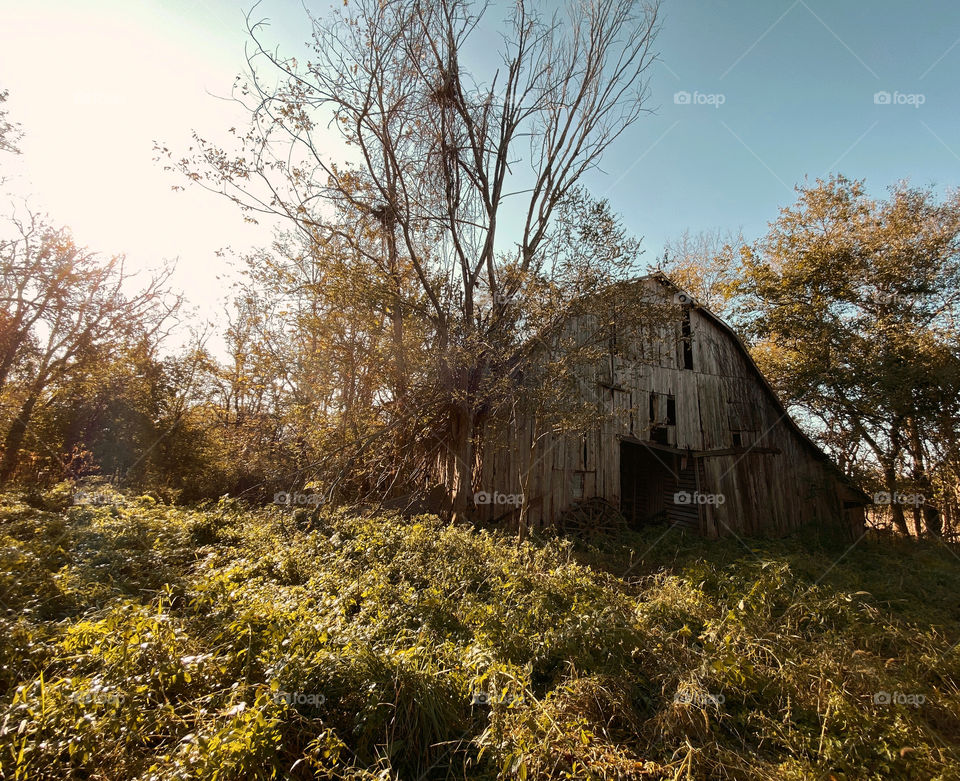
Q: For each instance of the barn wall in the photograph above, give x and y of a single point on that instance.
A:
(766, 493)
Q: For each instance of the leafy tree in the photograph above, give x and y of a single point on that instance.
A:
(310, 377)
(64, 312)
(706, 265)
(855, 304)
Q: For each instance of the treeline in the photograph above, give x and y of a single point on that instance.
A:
(306, 394)
(849, 305)
(87, 389)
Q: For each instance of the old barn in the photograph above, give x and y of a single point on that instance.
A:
(689, 433)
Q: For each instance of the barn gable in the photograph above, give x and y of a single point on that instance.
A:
(692, 434)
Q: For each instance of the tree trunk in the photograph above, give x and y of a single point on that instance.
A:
(899, 521)
(932, 523)
(459, 477)
(524, 479)
(917, 522)
(890, 475)
(12, 337)
(14, 438)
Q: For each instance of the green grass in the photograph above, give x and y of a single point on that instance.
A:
(141, 640)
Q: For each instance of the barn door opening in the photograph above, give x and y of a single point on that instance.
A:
(650, 482)
(645, 479)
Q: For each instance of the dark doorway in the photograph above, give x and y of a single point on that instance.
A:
(649, 482)
(645, 478)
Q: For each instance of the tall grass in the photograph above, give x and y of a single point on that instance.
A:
(141, 640)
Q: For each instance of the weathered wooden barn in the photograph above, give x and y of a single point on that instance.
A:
(689, 433)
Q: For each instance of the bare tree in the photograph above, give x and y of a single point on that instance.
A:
(455, 177)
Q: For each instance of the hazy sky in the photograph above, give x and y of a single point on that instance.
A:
(751, 98)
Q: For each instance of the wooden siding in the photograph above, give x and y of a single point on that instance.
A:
(772, 482)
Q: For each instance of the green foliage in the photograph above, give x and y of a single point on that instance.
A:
(151, 641)
(853, 306)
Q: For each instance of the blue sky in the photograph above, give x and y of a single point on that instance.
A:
(797, 81)
(779, 91)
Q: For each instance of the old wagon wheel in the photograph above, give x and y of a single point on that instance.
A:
(592, 517)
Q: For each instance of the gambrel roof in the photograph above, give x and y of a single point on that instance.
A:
(812, 446)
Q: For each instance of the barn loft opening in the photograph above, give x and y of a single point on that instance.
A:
(686, 339)
(663, 418)
(743, 419)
